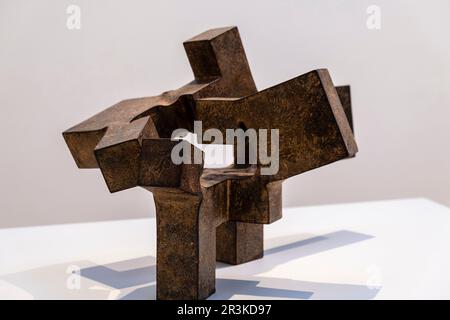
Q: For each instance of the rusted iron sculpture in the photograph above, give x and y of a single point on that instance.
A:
(204, 215)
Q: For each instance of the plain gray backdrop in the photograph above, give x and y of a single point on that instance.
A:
(51, 78)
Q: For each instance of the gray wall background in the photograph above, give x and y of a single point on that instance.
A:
(52, 78)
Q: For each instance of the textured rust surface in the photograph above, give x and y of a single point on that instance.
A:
(204, 215)
(239, 242)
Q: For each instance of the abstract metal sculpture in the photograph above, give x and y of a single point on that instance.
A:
(204, 215)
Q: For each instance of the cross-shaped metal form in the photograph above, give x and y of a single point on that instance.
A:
(204, 215)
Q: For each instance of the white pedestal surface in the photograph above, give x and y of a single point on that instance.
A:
(397, 249)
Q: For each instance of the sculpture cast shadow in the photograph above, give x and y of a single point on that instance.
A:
(136, 278)
(249, 285)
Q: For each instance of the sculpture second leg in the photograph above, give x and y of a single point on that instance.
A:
(239, 242)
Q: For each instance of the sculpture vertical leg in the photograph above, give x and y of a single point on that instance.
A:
(186, 244)
(239, 242)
